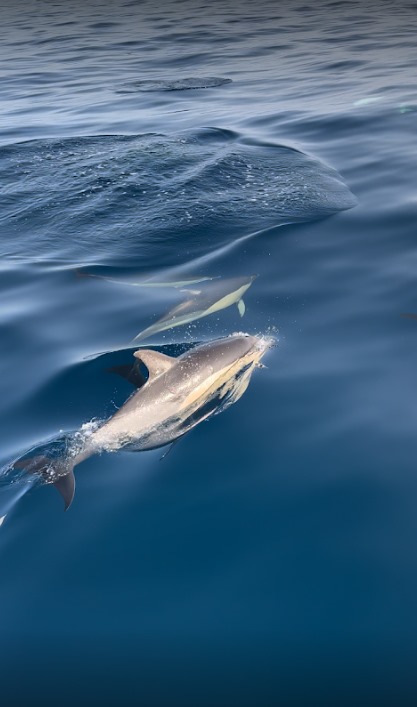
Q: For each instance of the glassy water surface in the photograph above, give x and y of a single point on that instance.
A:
(271, 557)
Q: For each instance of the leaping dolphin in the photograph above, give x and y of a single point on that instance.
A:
(207, 299)
(179, 393)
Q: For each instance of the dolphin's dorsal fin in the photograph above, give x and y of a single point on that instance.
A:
(130, 372)
(155, 362)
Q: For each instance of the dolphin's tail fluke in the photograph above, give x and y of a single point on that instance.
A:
(53, 471)
(65, 485)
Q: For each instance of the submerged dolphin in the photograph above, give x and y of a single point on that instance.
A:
(179, 393)
(208, 298)
(149, 282)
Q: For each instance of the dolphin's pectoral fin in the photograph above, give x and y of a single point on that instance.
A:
(241, 307)
(155, 362)
(65, 485)
(131, 373)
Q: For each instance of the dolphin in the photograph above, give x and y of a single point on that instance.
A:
(180, 392)
(207, 299)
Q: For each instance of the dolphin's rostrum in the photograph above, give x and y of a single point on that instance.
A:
(179, 393)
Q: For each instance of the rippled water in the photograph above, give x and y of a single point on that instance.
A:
(271, 557)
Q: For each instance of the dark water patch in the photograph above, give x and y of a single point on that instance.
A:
(103, 25)
(141, 195)
(343, 65)
(176, 84)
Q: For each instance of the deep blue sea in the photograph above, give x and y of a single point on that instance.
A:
(271, 557)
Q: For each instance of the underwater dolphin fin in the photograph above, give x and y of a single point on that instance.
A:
(155, 362)
(2, 518)
(65, 485)
(129, 372)
(241, 307)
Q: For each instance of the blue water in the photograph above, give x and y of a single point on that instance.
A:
(271, 558)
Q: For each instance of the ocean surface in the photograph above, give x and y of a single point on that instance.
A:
(271, 557)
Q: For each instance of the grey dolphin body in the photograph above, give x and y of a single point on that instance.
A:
(179, 393)
(207, 299)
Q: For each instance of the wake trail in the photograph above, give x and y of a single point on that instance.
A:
(11, 491)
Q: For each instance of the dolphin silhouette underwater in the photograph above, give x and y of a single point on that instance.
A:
(210, 297)
(178, 394)
(147, 282)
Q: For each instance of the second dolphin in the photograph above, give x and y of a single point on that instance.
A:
(206, 299)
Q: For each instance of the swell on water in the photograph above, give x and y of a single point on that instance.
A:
(159, 199)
